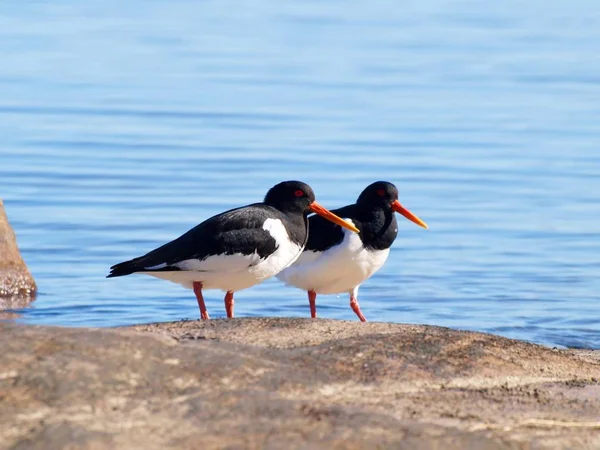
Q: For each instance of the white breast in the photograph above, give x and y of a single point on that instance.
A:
(336, 270)
(238, 271)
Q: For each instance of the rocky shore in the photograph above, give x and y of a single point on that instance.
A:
(291, 383)
(283, 384)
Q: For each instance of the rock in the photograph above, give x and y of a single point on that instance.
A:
(16, 283)
(291, 384)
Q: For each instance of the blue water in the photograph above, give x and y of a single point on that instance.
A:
(123, 124)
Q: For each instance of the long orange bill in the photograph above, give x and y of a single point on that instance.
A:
(318, 209)
(396, 206)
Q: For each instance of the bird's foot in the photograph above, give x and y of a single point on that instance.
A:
(356, 308)
(198, 291)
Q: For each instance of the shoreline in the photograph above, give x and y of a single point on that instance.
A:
(14, 317)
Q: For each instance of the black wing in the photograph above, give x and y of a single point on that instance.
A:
(236, 231)
(323, 234)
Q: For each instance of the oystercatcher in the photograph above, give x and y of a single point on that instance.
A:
(236, 249)
(335, 261)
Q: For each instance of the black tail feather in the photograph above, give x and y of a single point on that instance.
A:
(124, 268)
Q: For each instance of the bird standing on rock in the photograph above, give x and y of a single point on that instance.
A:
(335, 261)
(239, 248)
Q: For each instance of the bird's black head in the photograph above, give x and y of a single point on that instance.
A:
(380, 193)
(383, 194)
(295, 197)
(291, 196)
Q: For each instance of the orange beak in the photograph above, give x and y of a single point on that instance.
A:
(396, 206)
(318, 209)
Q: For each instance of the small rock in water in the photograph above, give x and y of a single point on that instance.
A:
(16, 282)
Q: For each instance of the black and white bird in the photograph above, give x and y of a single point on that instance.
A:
(335, 261)
(236, 249)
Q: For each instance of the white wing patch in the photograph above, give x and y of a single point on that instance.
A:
(287, 252)
(157, 267)
(220, 263)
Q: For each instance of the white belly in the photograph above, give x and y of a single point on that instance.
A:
(337, 270)
(236, 272)
(225, 280)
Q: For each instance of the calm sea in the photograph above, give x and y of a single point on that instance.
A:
(124, 124)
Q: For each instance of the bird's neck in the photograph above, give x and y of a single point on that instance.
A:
(378, 227)
(298, 227)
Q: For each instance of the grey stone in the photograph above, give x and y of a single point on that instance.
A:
(291, 384)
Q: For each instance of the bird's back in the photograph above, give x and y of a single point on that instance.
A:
(237, 231)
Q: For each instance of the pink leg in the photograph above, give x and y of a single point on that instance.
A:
(198, 291)
(229, 302)
(356, 308)
(312, 300)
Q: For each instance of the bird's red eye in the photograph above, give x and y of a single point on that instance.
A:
(299, 193)
(381, 192)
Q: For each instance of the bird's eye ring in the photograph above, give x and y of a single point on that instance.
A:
(381, 192)
(299, 193)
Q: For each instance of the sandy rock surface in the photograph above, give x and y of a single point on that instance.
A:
(291, 383)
